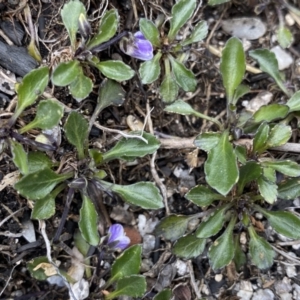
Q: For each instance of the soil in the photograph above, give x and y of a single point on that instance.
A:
(15, 251)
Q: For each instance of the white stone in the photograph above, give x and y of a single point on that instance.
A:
(181, 267)
(265, 294)
(290, 271)
(296, 291)
(289, 20)
(246, 286)
(284, 58)
(263, 98)
(218, 277)
(245, 295)
(244, 28)
(148, 244)
(285, 296)
(28, 231)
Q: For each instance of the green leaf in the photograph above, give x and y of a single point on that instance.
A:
(66, 72)
(132, 286)
(32, 85)
(19, 156)
(81, 87)
(127, 264)
(284, 37)
(180, 107)
(39, 184)
(240, 91)
(217, 2)
(261, 137)
(150, 69)
(163, 295)
(48, 114)
(233, 66)
(203, 196)
(44, 208)
(271, 112)
(107, 28)
(286, 167)
(207, 141)
(81, 243)
(239, 255)
(184, 77)
(241, 153)
(115, 69)
(213, 224)
(189, 246)
(38, 273)
(279, 135)
(110, 93)
(283, 222)
(150, 31)
(88, 221)
(221, 168)
(198, 34)
(249, 172)
(37, 161)
(132, 148)
(289, 189)
(269, 64)
(142, 194)
(260, 250)
(180, 14)
(172, 227)
(267, 189)
(76, 129)
(221, 251)
(294, 102)
(168, 89)
(70, 16)
(269, 174)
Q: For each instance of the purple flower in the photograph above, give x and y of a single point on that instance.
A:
(137, 46)
(117, 238)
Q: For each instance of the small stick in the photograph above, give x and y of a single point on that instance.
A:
(193, 281)
(159, 182)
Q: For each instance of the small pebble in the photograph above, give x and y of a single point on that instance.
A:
(265, 294)
(181, 267)
(289, 20)
(290, 271)
(218, 277)
(244, 28)
(296, 291)
(284, 58)
(245, 295)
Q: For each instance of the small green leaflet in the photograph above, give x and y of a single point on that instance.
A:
(76, 129)
(189, 246)
(127, 264)
(88, 221)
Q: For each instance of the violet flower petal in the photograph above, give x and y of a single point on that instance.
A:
(138, 47)
(117, 238)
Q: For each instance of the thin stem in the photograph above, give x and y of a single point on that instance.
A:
(200, 115)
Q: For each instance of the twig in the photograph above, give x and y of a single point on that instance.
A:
(193, 281)
(125, 135)
(159, 182)
(9, 278)
(286, 255)
(12, 214)
(42, 224)
(175, 142)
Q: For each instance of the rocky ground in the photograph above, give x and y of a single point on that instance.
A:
(20, 238)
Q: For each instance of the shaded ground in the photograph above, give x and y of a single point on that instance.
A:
(172, 165)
